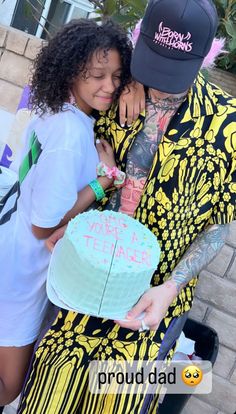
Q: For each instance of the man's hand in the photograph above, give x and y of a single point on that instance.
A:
(153, 305)
(131, 103)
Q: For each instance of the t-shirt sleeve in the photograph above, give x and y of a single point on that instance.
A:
(55, 186)
(225, 209)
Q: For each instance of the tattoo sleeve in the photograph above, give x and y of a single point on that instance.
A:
(204, 248)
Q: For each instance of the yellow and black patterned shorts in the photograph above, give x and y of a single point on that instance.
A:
(58, 380)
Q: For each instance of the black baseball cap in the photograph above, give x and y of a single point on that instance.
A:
(175, 36)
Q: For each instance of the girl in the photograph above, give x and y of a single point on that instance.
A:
(84, 67)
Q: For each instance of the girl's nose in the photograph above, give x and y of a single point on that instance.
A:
(109, 85)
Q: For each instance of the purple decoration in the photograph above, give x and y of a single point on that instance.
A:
(24, 102)
(7, 153)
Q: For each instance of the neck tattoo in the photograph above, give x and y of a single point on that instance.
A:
(171, 103)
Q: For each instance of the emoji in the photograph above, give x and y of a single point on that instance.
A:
(192, 375)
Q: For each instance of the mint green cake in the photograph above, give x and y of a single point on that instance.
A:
(102, 265)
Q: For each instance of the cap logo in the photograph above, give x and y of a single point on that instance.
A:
(173, 40)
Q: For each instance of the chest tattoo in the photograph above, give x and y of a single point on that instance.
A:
(142, 153)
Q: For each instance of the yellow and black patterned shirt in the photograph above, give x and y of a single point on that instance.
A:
(192, 181)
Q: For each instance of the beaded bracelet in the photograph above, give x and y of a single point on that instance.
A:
(97, 189)
(114, 172)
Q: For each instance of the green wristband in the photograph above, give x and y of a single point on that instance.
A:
(97, 189)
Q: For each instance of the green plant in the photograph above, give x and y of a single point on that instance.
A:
(125, 12)
(227, 29)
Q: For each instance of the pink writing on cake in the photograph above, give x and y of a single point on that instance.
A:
(173, 40)
(134, 238)
(103, 246)
(105, 229)
(115, 221)
(133, 255)
(123, 253)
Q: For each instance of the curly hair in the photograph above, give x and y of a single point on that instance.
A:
(66, 56)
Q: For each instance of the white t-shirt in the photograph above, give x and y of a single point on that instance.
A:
(62, 161)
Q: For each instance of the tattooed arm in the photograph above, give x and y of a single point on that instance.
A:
(156, 301)
(200, 253)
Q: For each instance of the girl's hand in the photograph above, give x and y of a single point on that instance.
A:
(105, 153)
(153, 305)
(53, 239)
(131, 103)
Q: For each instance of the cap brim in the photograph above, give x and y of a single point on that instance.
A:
(161, 73)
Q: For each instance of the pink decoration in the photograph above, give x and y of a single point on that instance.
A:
(72, 99)
(135, 33)
(114, 172)
(217, 47)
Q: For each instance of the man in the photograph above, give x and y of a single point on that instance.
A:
(181, 165)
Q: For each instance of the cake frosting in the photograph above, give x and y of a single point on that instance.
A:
(103, 264)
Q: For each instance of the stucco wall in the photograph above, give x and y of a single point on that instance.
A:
(215, 302)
